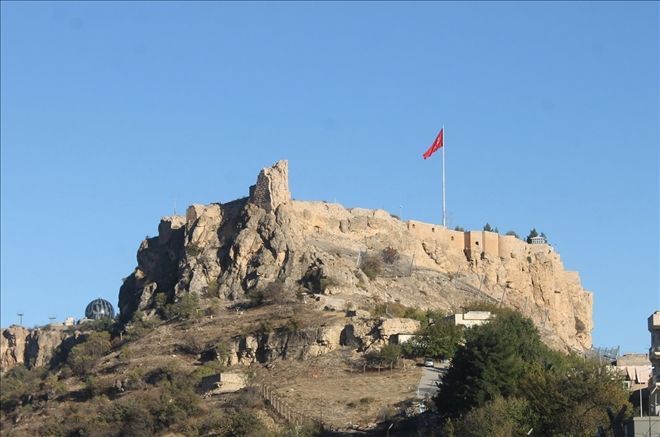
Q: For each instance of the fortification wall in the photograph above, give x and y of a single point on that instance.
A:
(511, 247)
(491, 242)
(476, 243)
(447, 238)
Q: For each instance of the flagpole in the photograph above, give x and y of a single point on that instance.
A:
(444, 214)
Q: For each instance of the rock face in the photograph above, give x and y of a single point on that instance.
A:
(224, 251)
(30, 348)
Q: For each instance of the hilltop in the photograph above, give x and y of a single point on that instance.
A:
(227, 250)
(285, 298)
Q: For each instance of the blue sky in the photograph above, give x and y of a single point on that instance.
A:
(112, 113)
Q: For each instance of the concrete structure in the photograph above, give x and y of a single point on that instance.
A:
(635, 370)
(648, 426)
(654, 356)
(403, 338)
(470, 318)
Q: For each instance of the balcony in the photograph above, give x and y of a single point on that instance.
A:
(654, 321)
(654, 353)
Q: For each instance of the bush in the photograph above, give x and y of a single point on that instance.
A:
(276, 293)
(390, 255)
(185, 308)
(390, 354)
(438, 340)
(17, 383)
(503, 377)
(273, 293)
(83, 356)
(372, 266)
(498, 418)
(212, 289)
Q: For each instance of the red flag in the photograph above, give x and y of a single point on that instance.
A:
(437, 144)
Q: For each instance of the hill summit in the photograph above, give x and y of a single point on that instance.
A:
(351, 259)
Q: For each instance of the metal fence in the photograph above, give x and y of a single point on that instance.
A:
(286, 411)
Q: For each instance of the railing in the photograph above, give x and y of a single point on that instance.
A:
(286, 411)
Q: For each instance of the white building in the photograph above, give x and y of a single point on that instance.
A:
(470, 318)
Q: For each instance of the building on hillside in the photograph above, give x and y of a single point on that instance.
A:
(654, 356)
(470, 318)
(635, 370)
(403, 338)
(538, 240)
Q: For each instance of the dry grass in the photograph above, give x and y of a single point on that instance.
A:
(330, 389)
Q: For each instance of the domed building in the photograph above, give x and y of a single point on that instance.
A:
(99, 309)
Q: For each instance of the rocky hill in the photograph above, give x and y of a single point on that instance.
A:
(225, 251)
(285, 303)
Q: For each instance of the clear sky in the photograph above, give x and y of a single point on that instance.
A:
(113, 113)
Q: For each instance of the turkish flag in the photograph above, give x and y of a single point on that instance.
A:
(437, 144)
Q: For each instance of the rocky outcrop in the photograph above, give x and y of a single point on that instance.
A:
(12, 347)
(225, 250)
(272, 187)
(30, 347)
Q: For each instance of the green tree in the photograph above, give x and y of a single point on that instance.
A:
(489, 228)
(390, 354)
(565, 395)
(532, 233)
(573, 396)
(490, 363)
(438, 340)
(501, 417)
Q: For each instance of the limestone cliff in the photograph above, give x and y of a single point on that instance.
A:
(30, 347)
(223, 251)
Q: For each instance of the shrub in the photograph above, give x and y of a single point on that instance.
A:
(249, 398)
(390, 255)
(193, 250)
(372, 266)
(83, 356)
(324, 283)
(17, 383)
(438, 340)
(390, 354)
(367, 401)
(212, 289)
(185, 308)
(498, 418)
(276, 293)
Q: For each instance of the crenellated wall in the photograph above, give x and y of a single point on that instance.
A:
(475, 244)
